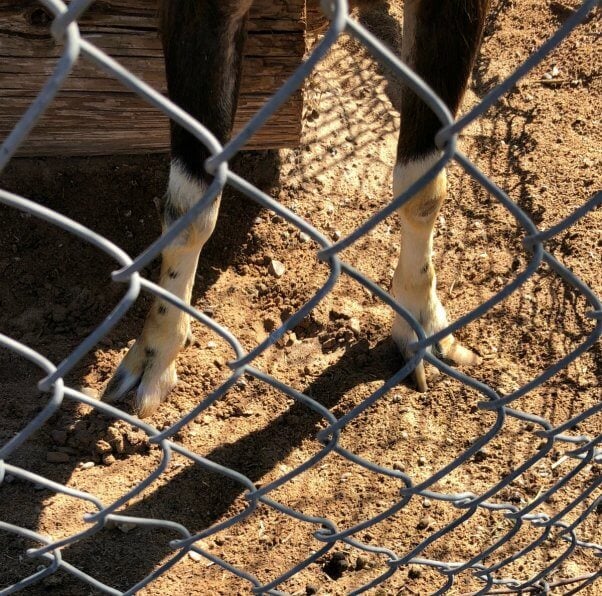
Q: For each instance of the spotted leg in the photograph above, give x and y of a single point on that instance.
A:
(203, 42)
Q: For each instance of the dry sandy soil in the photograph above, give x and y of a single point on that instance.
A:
(541, 143)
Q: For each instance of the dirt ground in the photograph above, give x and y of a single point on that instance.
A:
(541, 144)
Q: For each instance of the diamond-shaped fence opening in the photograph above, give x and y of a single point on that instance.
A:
(522, 517)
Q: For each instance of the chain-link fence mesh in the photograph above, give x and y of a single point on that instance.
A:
(582, 450)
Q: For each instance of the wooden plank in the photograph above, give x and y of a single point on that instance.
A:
(94, 114)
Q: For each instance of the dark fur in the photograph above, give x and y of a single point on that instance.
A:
(195, 39)
(448, 33)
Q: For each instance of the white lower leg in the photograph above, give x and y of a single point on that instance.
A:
(151, 360)
(414, 281)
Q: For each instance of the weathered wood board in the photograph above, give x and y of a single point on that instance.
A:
(94, 114)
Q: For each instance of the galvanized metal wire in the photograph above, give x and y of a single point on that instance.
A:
(584, 449)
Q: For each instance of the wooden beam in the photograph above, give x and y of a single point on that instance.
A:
(94, 114)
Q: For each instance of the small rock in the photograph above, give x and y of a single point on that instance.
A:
(87, 465)
(399, 466)
(426, 502)
(211, 345)
(404, 435)
(59, 436)
(336, 235)
(276, 268)
(303, 237)
(126, 527)
(425, 523)
(103, 446)
(354, 325)
(195, 556)
(57, 457)
(116, 440)
(422, 460)
(361, 563)
(108, 459)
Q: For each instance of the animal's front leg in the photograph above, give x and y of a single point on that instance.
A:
(440, 42)
(415, 282)
(203, 42)
(150, 363)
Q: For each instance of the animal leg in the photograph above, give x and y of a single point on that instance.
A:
(203, 42)
(440, 42)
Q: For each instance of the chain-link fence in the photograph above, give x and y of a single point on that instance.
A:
(583, 450)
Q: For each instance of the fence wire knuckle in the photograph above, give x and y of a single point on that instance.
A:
(580, 451)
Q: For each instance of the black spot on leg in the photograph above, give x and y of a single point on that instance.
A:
(170, 212)
(149, 352)
(425, 268)
(162, 310)
(172, 274)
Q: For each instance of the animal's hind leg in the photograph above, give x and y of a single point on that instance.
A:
(440, 41)
(203, 42)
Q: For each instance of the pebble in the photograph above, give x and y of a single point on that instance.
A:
(303, 237)
(276, 268)
(127, 527)
(108, 459)
(87, 465)
(422, 460)
(398, 466)
(211, 345)
(404, 435)
(103, 446)
(426, 502)
(361, 563)
(57, 457)
(116, 440)
(195, 556)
